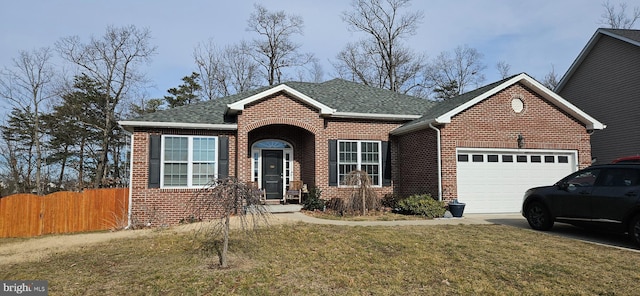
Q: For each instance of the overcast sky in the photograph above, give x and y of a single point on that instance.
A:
(531, 36)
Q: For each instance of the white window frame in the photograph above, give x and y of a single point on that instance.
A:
(189, 161)
(359, 163)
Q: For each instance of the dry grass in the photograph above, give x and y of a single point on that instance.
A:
(371, 216)
(301, 259)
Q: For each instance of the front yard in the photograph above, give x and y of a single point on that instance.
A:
(304, 259)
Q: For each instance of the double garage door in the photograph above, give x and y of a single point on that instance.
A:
(494, 181)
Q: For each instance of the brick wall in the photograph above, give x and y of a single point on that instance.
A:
(156, 206)
(313, 133)
(276, 117)
(490, 124)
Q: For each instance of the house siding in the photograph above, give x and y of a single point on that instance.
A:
(312, 159)
(418, 159)
(606, 85)
(541, 123)
(158, 206)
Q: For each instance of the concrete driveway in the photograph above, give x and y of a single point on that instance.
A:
(564, 230)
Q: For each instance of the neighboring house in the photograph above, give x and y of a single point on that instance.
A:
(484, 147)
(604, 81)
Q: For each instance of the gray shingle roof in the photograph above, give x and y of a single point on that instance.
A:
(626, 33)
(342, 95)
(452, 103)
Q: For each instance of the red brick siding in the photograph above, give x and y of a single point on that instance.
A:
(493, 124)
(157, 206)
(417, 171)
(312, 162)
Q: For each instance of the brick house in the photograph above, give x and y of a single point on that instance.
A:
(484, 147)
(604, 80)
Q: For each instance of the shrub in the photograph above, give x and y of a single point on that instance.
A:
(313, 201)
(422, 204)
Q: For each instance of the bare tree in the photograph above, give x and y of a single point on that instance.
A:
(274, 51)
(551, 80)
(228, 197)
(27, 87)
(455, 72)
(225, 71)
(619, 19)
(503, 68)
(381, 59)
(112, 61)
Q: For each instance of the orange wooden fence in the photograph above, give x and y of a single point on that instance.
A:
(23, 215)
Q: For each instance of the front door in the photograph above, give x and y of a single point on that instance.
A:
(272, 173)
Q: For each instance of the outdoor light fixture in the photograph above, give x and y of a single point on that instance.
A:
(520, 140)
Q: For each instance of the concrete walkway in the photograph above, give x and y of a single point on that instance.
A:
(466, 219)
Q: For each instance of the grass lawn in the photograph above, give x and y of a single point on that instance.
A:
(304, 259)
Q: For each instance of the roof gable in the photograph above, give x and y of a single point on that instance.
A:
(629, 36)
(240, 105)
(446, 110)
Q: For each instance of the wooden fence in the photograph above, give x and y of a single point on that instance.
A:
(24, 215)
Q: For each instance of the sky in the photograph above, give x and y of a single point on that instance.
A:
(531, 36)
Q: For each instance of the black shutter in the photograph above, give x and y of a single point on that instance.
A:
(386, 164)
(154, 161)
(333, 162)
(223, 157)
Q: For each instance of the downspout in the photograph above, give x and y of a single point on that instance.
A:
(439, 161)
(130, 183)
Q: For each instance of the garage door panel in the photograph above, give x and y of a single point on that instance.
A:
(497, 184)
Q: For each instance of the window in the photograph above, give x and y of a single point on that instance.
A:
(507, 158)
(188, 161)
(492, 158)
(463, 157)
(521, 158)
(536, 158)
(549, 159)
(582, 179)
(477, 158)
(359, 155)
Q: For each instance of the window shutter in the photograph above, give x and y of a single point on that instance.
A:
(386, 164)
(223, 157)
(154, 161)
(333, 162)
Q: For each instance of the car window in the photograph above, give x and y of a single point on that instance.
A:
(583, 178)
(620, 177)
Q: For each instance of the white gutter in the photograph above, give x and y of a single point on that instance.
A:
(374, 116)
(130, 185)
(439, 161)
(180, 125)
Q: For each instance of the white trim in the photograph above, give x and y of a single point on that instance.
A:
(130, 207)
(374, 116)
(439, 147)
(412, 127)
(239, 105)
(571, 152)
(178, 125)
(359, 159)
(590, 122)
(285, 151)
(189, 161)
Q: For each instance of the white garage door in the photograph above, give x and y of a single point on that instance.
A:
(494, 181)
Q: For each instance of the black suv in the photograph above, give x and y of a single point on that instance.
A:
(606, 197)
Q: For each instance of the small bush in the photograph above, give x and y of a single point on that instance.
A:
(313, 202)
(390, 200)
(422, 204)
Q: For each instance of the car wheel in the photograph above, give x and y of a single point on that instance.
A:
(634, 229)
(539, 217)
